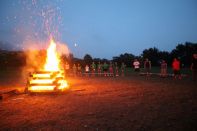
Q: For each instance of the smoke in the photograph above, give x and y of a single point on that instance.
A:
(62, 49)
(34, 45)
(35, 58)
(36, 53)
(39, 20)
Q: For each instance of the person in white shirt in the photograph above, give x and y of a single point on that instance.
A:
(87, 70)
(136, 65)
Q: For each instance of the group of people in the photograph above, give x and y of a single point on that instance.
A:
(105, 69)
(176, 67)
(147, 66)
(112, 69)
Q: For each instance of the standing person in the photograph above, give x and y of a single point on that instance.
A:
(105, 68)
(79, 70)
(194, 67)
(176, 66)
(116, 69)
(74, 70)
(87, 70)
(147, 66)
(111, 71)
(99, 68)
(67, 68)
(136, 65)
(93, 68)
(123, 66)
(163, 69)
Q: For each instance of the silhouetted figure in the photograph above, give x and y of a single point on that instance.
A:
(99, 68)
(163, 69)
(111, 70)
(74, 70)
(123, 66)
(116, 69)
(79, 70)
(67, 68)
(194, 67)
(147, 66)
(93, 68)
(105, 68)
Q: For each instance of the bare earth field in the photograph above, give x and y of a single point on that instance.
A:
(105, 103)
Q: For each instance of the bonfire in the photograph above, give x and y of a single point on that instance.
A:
(51, 78)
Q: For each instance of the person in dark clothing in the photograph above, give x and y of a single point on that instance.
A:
(116, 69)
(163, 69)
(147, 66)
(123, 66)
(105, 68)
(93, 68)
(194, 67)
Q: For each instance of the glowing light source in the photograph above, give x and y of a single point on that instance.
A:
(52, 77)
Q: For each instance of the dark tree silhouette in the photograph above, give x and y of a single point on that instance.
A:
(184, 52)
(97, 60)
(126, 58)
(164, 55)
(12, 59)
(87, 59)
(153, 55)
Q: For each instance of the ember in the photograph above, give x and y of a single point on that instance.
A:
(51, 78)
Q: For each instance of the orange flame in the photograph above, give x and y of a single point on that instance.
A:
(52, 77)
(52, 61)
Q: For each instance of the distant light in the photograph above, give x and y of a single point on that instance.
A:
(75, 45)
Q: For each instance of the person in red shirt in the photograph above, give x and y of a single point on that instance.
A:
(176, 68)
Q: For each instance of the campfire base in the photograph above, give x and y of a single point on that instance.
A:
(46, 81)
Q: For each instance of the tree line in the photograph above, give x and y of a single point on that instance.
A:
(182, 51)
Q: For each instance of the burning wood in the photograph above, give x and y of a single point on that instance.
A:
(47, 81)
(51, 78)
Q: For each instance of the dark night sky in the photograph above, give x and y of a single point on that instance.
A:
(102, 28)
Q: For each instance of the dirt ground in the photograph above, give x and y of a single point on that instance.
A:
(106, 103)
